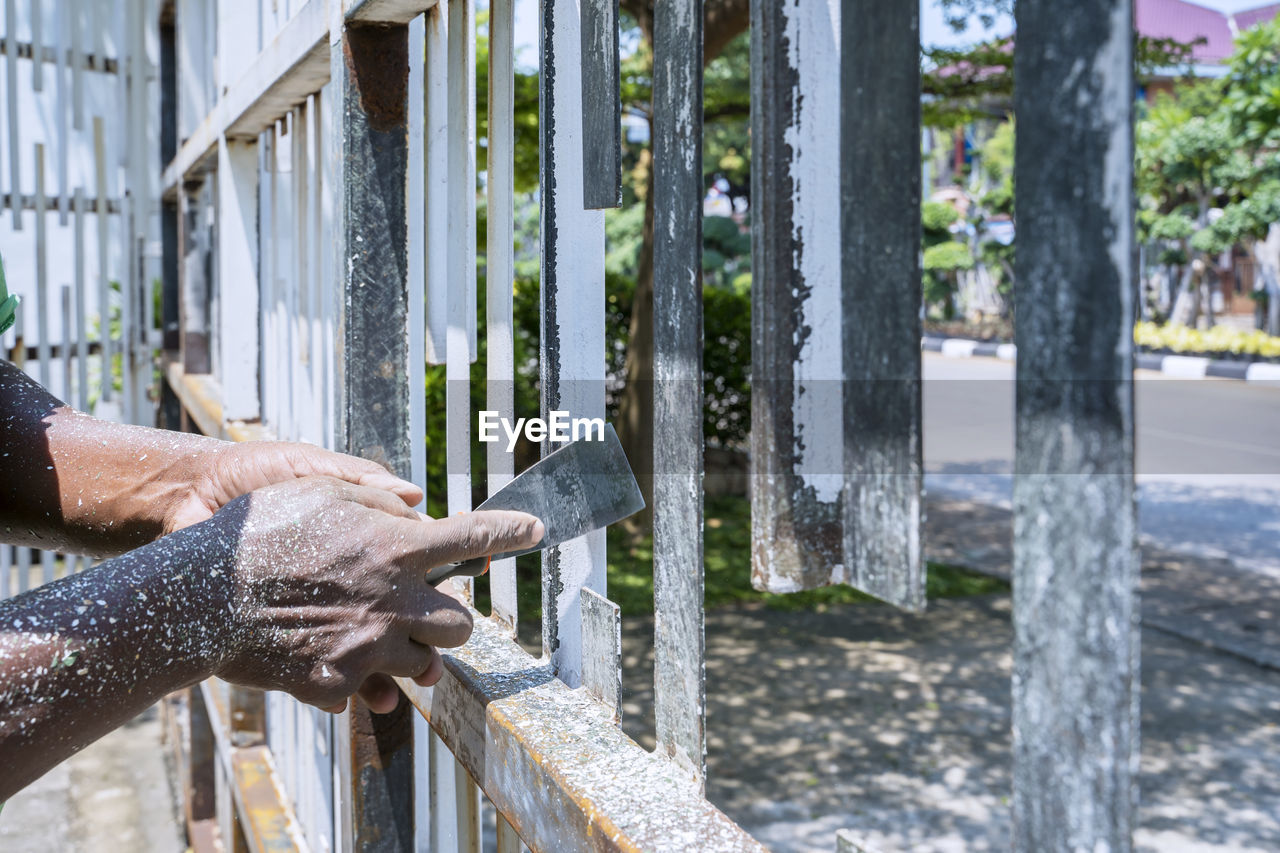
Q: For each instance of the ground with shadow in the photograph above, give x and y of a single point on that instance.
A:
(897, 726)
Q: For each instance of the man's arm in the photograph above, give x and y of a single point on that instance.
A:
(73, 483)
(309, 586)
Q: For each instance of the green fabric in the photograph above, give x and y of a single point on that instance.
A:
(8, 304)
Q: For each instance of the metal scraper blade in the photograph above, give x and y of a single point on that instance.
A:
(583, 486)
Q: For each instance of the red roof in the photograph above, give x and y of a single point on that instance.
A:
(1253, 17)
(1185, 22)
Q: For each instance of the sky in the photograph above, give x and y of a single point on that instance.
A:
(933, 29)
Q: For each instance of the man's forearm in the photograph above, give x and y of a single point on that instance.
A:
(70, 482)
(83, 655)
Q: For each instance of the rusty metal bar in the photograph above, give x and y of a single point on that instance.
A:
(602, 105)
(259, 804)
(554, 764)
(679, 646)
(369, 70)
(880, 280)
(1075, 689)
(797, 412)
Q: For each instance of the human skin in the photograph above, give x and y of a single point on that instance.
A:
(270, 565)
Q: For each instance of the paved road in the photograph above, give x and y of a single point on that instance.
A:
(1208, 455)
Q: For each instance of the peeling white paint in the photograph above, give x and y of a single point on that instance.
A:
(812, 34)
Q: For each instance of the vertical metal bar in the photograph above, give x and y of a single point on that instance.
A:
(416, 225)
(298, 318)
(572, 297)
(24, 569)
(62, 106)
(462, 165)
(369, 72)
(1075, 669)
(679, 646)
(443, 784)
(461, 252)
(75, 12)
(467, 793)
(500, 276)
(65, 360)
(602, 650)
(137, 357)
(238, 301)
(880, 276)
(42, 270)
(11, 98)
(416, 252)
(6, 581)
(460, 336)
(796, 372)
(282, 272)
(37, 45)
(312, 220)
(508, 840)
(266, 285)
(96, 12)
(602, 105)
(82, 328)
(128, 278)
(437, 181)
(100, 218)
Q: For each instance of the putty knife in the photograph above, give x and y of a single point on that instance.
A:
(583, 486)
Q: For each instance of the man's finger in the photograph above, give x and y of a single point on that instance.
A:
(378, 499)
(439, 622)
(362, 472)
(431, 674)
(380, 693)
(479, 534)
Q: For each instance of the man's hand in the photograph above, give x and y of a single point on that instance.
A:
(225, 471)
(78, 484)
(315, 586)
(328, 592)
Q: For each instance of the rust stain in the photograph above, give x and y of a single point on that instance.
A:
(377, 59)
(265, 818)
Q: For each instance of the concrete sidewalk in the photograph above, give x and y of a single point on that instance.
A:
(897, 726)
(1203, 599)
(112, 796)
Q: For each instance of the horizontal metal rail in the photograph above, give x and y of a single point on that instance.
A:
(556, 764)
(266, 816)
(293, 66)
(85, 61)
(201, 396)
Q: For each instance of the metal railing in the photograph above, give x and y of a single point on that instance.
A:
(317, 210)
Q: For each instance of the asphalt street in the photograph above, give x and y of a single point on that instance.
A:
(1208, 454)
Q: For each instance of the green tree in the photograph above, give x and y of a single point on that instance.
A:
(1209, 173)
